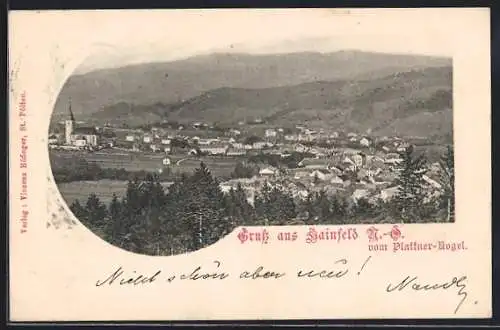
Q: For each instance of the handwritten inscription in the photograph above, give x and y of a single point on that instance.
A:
(413, 283)
(130, 279)
(198, 274)
(260, 273)
(325, 273)
(339, 270)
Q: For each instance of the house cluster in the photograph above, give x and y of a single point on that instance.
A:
(369, 176)
(234, 142)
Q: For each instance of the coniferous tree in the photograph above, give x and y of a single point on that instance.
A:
(322, 206)
(339, 209)
(197, 203)
(96, 212)
(306, 208)
(243, 171)
(177, 227)
(79, 211)
(411, 191)
(274, 206)
(363, 209)
(238, 208)
(115, 228)
(132, 197)
(447, 181)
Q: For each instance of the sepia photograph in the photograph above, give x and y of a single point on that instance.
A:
(226, 156)
(165, 157)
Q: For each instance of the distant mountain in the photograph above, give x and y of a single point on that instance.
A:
(173, 82)
(417, 103)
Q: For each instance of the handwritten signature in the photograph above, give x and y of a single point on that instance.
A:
(413, 284)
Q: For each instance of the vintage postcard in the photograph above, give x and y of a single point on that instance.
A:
(249, 164)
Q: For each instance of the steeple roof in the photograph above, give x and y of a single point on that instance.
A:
(72, 117)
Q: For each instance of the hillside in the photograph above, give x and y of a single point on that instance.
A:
(173, 82)
(417, 102)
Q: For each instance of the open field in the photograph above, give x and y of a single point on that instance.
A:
(152, 162)
(104, 189)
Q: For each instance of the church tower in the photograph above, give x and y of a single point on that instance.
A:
(69, 125)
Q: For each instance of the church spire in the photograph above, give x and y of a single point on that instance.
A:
(72, 117)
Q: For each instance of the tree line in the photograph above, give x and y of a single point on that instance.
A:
(79, 169)
(194, 212)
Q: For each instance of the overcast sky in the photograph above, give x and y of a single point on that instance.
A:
(155, 36)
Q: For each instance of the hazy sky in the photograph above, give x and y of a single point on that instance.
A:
(132, 37)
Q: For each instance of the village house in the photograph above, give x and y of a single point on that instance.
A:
(388, 193)
(260, 145)
(166, 161)
(336, 180)
(300, 173)
(359, 159)
(130, 138)
(53, 139)
(301, 148)
(335, 169)
(198, 125)
(166, 141)
(348, 161)
(365, 142)
(204, 142)
(268, 171)
(154, 147)
(314, 163)
(215, 148)
(308, 131)
(194, 140)
(233, 151)
(237, 145)
(147, 138)
(322, 174)
(374, 161)
(359, 194)
(291, 137)
(393, 159)
(84, 136)
(434, 184)
(270, 132)
(334, 135)
(402, 147)
(234, 132)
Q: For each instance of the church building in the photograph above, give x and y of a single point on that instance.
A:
(79, 136)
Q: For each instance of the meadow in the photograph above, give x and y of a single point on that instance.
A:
(151, 162)
(104, 189)
(220, 167)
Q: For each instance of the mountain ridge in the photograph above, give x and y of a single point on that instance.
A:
(174, 81)
(388, 105)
